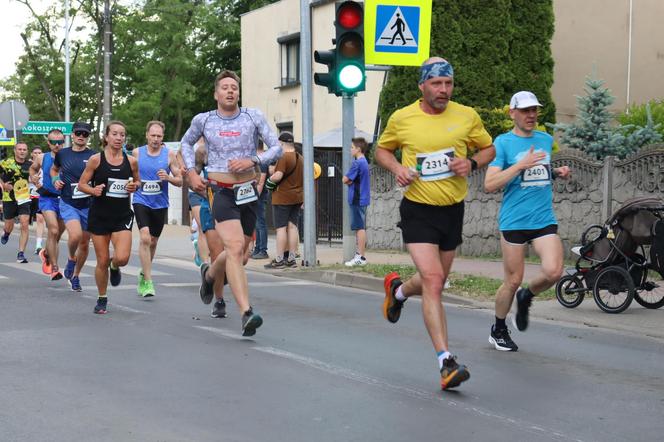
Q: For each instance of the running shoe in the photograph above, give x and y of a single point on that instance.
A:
(391, 305)
(205, 290)
(291, 263)
(69, 268)
(20, 258)
(522, 309)
(148, 289)
(75, 284)
(116, 276)
(358, 260)
(260, 255)
(141, 281)
(250, 322)
(197, 256)
(5, 238)
(56, 275)
(274, 264)
(37, 250)
(100, 308)
(47, 268)
(500, 338)
(219, 309)
(452, 374)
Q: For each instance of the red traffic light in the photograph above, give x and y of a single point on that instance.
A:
(349, 15)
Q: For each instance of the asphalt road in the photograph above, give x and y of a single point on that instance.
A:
(325, 366)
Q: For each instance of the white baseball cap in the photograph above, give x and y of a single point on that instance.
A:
(523, 100)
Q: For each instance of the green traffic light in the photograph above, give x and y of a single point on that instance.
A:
(350, 77)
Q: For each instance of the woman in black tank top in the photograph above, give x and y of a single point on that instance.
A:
(110, 176)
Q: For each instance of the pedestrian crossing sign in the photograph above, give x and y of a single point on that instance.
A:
(397, 32)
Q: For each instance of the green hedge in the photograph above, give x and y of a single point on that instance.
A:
(497, 48)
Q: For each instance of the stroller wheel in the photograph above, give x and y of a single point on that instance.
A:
(570, 291)
(652, 296)
(614, 289)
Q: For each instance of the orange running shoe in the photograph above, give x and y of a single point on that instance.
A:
(47, 268)
(452, 374)
(392, 306)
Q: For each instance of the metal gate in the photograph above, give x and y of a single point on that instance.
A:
(329, 195)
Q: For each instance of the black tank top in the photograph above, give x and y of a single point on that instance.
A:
(114, 200)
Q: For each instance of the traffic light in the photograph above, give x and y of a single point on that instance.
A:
(328, 80)
(349, 65)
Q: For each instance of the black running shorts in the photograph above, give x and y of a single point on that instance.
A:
(521, 237)
(424, 223)
(12, 209)
(224, 208)
(153, 219)
(107, 223)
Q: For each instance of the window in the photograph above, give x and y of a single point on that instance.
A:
(289, 46)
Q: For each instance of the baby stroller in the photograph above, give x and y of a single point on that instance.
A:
(612, 260)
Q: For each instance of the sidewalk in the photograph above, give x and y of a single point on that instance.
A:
(637, 320)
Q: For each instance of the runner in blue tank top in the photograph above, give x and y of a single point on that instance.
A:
(49, 200)
(109, 178)
(157, 167)
(522, 168)
(65, 173)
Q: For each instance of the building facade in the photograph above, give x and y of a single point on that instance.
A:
(618, 40)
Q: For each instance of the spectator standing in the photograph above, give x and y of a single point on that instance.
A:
(286, 184)
(359, 195)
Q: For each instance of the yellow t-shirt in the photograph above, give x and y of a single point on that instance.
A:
(455, 130)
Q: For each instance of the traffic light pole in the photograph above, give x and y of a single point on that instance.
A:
(307, 137)
(347, 134)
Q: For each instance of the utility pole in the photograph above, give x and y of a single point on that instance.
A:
(67, 112)
(106, 116)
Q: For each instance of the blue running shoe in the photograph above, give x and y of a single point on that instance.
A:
(100, 308)
(75, 284)
(69, 268)
(5, 238)
(20, 258)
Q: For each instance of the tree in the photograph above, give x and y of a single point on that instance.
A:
(496, 51)
(594, 131)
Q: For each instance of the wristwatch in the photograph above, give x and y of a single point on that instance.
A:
(473, 164)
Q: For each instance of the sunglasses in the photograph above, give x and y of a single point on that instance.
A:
(80, 133)
(56, 142)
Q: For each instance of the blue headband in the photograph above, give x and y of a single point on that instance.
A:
(437, 69)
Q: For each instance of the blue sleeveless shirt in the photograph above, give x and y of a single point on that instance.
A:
(47, 188)
(153, 192)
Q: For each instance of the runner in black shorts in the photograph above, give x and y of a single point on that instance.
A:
(231, 134)
(14, 177)
(113, 176)
(435, 161)
(158, 167)
(523, 169)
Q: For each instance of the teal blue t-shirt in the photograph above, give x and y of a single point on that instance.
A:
(528, 197)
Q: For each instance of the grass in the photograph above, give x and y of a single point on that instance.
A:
(469, 286)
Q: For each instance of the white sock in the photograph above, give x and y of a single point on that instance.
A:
(399, 294)
(442, 356)
(39, 243)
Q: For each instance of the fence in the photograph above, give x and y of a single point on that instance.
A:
(589, 197)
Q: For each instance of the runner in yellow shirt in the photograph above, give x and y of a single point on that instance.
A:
(437, 137)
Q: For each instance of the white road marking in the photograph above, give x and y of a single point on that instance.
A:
(129, 269)
(35, 267)
(118, 306)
